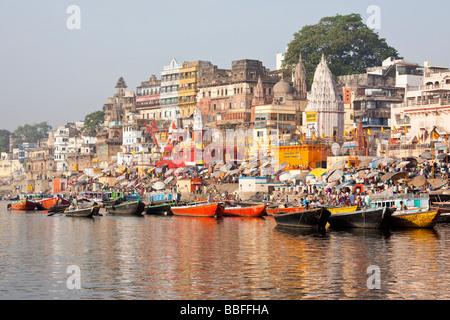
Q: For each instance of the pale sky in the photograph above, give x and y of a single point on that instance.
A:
(50, 73)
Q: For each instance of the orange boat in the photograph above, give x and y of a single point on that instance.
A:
(23, 204)
(238, 211)
(284, 210)
(198, 210)
(47, 203)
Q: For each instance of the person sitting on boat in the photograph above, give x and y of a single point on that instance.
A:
(403, 206)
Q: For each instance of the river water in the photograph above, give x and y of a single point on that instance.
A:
(174, 258)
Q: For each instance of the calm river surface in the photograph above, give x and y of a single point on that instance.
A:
(172, 258)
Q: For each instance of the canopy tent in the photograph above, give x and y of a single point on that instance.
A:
(318, 172)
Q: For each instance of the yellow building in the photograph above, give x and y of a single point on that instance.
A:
(301, 155)
(188, 86)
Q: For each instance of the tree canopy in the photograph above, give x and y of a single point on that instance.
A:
(349, 46)
(94, 120)
(4, 140)
(32, 133)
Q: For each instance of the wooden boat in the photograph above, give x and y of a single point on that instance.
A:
(367, 218)
(273, 211)
(198, 210)
(239, 211)
(418, 215)
(83, 212)
(342, 209)
(23, 204)
(128, 208)
(444, 207)
(415, 218)
(47, 203)
(310, 218)
(59, 208)
(159, 209)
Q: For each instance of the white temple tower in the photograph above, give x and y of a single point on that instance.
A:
(325, 101)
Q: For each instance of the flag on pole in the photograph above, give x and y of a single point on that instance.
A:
(406, 129)
(173, 126)
(382, 130)
(369, 132)
(345, 133)
(435, 135)
(323, 136)
(314, 137)
(394, 129)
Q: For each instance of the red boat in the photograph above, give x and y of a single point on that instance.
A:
(238, 211)
(23, 204)
(47, 203)
(198, 210)
(273, 211)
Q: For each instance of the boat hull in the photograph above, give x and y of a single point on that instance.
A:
(415, 218)
(316, 218)
(131, 208)
(273, 211)
(47, 203)
(369, 219)
(83, 213)
(161, 209)
(25, 205)
(205, 210)
(253, 211)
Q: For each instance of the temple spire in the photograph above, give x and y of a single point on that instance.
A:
(259, 96)
(300, 79)
(325, 101)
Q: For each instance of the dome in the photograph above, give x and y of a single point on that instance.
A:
(282, 88)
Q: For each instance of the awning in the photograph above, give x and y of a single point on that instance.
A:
(318, 172)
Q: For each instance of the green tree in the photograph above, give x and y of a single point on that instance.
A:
(4, 140)
(349, 46)
(32, 133)
(94, 121)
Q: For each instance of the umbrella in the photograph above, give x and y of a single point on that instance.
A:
(387, 161)
(158, 185)
(436, 184)
(443, 156)
(318, 172)
(335, 176)
(226, 167)
(168, 180)
(399, 175)
(363, 163)
(339, 166)
(387, 176)
(285, 176)
(373, 174)
(427, 156)
(419, 181)
(403, 164)
(282, 166)
(179, 170)
(302, 175)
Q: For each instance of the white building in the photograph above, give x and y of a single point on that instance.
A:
(426, 109)
(169, 91)
(325, 103)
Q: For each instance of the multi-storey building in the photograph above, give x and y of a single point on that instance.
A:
(148, 99)
(61, 144)
(424, 114)
(188, 87)
(368, 97)
(226, 96)
(169, 90)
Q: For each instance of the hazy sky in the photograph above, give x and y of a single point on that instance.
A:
(51, 73)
